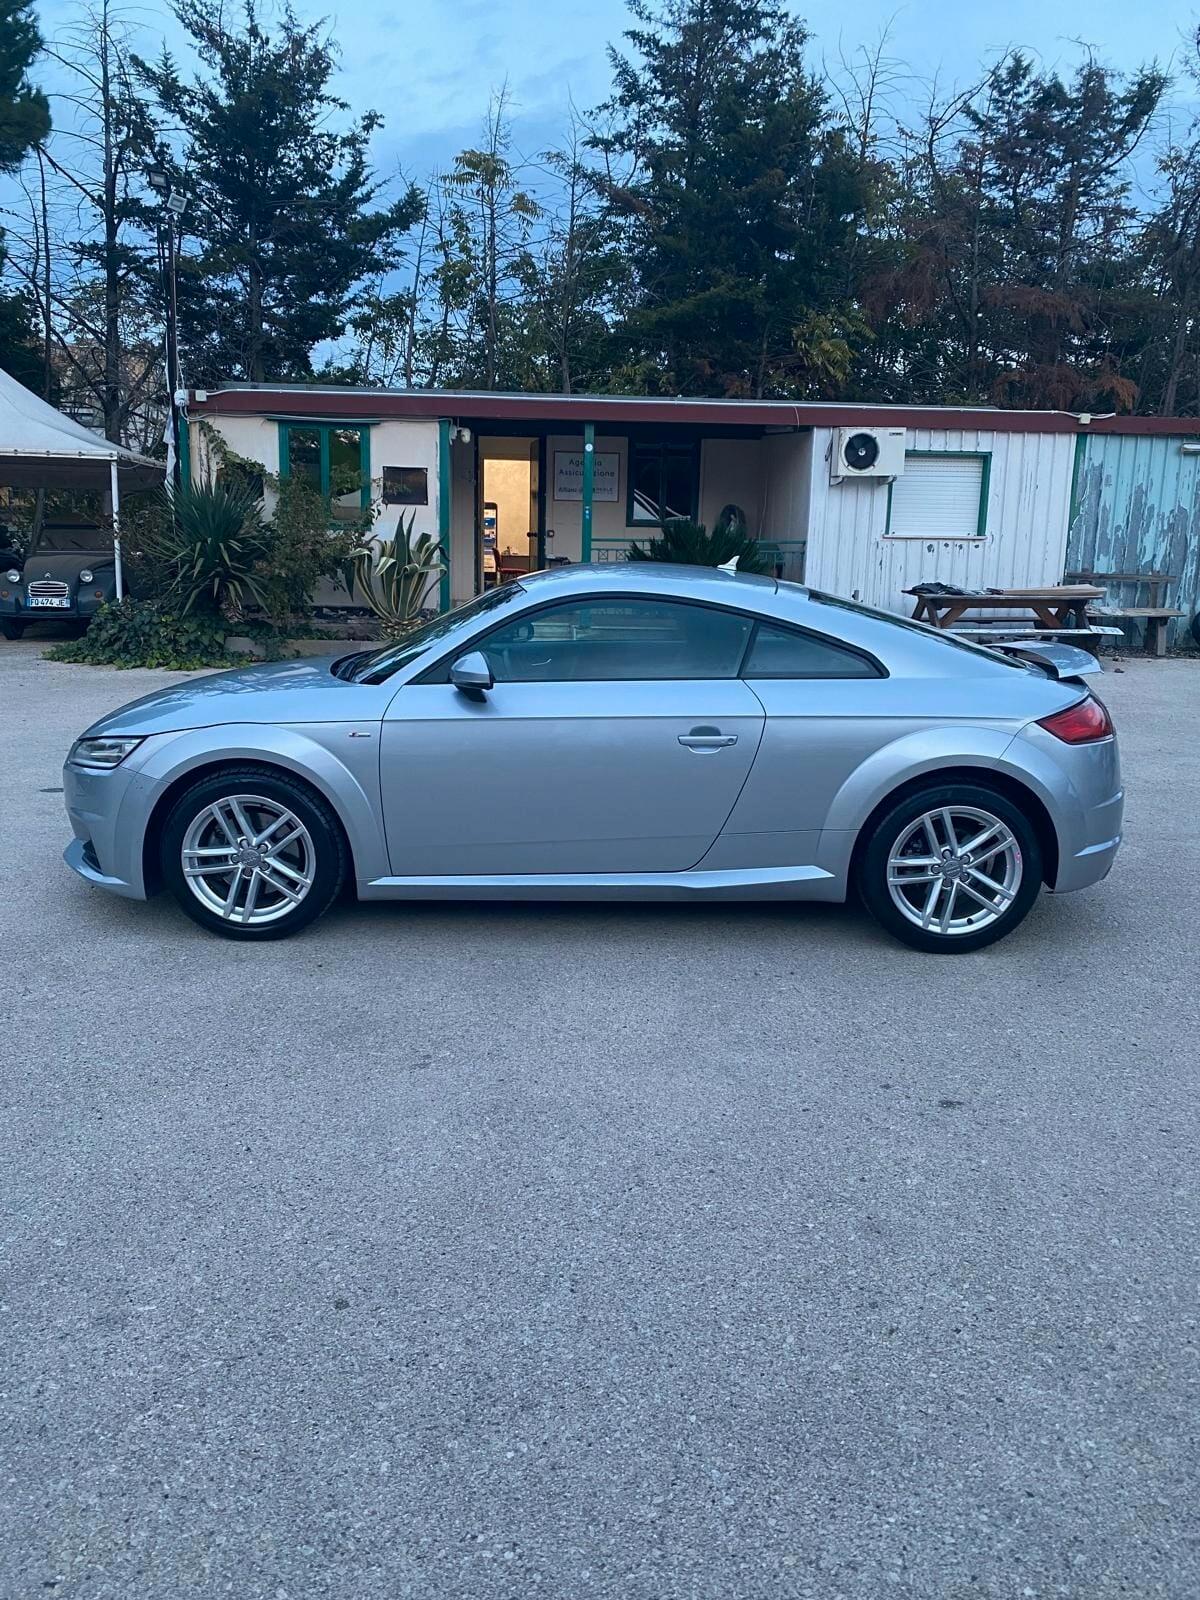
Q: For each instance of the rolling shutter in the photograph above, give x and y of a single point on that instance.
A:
(938, 497)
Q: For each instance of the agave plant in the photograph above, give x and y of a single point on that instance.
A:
(394, 576)
(211, 542)
(691, 544)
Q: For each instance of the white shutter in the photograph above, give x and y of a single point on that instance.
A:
(937, 497)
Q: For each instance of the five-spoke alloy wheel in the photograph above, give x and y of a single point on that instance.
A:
(953, 867)
(251, 854)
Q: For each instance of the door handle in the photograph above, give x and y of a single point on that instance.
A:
(705, 739)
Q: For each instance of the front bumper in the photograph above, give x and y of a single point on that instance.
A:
(105, 811)
(80, 856)
(80, 607)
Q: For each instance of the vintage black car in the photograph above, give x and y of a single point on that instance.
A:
(66, 576)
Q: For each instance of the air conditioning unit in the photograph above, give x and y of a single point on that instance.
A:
(867, 453)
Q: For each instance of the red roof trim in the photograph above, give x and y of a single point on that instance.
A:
(539, 408)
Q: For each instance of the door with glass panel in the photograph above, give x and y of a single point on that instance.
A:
(615, 739)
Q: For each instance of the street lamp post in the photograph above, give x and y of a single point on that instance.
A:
(174, 205)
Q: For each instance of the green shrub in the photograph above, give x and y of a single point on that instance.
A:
(211, 544)
(691, 544)
(302, 549)
(140, 633)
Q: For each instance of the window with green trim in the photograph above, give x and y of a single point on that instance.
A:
(940, 495)
(334, 459)
(664, 481)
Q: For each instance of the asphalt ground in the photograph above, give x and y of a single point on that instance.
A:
(647, 1252)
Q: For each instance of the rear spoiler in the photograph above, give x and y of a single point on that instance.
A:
(1065, 662)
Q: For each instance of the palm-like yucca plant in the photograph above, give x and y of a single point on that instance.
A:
(212, 542)
(394, 576)
(690, 543)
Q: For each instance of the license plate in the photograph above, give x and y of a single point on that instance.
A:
(48, 600)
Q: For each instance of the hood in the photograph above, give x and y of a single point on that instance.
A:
(287, 692)
(65, 565)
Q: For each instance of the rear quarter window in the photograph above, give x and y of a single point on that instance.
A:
(786, 653)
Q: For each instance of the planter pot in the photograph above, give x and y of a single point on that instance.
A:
(243, 645)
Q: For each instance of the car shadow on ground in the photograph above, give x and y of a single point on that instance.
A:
(491, 930)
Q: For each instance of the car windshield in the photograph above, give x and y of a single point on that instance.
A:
(950, 640)
(70, 539)
(373, 666)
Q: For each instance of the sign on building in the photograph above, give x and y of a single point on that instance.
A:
(568, 475)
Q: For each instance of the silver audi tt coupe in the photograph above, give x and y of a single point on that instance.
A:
(616, 732)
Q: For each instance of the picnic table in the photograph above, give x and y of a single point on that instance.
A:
(1058, 606)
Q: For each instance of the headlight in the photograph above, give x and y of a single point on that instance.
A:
(101, 754)
(87, 576)
(13, 575)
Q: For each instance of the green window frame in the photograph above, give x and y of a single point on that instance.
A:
(985, 483)
(324, 430)
(688, 452)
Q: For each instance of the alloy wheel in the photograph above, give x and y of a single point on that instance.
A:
(248, 859)
(954, 870)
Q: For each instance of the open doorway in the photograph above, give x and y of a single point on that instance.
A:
(509, 513)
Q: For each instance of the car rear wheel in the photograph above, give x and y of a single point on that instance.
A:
(251, 854)
(951, 868)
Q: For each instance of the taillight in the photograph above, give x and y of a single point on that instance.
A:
(1080, 724)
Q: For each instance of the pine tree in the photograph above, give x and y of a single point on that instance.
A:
(283, 226)
(24, 124)
(739, 198)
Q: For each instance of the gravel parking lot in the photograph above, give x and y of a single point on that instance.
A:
(646, 1252)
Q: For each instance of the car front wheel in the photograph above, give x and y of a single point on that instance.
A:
(951, 868)
(11, 630)
(252, 854)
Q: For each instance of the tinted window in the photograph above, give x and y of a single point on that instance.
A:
(587, 641)
(781, 653)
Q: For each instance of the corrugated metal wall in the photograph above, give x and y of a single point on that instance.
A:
(1138, 510)
(1029, 498)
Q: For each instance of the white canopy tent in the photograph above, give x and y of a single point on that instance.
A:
(40, 448)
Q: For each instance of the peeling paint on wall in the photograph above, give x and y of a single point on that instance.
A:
(1138, 510)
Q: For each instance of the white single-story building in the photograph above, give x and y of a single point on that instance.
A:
(860, 500)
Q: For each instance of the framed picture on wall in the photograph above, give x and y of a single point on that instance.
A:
(406, 486)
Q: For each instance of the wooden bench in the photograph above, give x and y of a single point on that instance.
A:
(1156, 615)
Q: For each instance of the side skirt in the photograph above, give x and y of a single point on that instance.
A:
(760, 883)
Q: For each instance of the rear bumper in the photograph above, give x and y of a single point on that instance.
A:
(1081, 786)
(1086, 866)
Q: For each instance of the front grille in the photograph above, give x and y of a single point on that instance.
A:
(49, 589)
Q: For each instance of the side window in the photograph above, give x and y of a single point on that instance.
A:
(782, 653)
(589, 641)
(333, 460)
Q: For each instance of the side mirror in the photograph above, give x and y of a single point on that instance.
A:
(472, 675)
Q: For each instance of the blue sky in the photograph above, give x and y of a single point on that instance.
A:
(428, 65)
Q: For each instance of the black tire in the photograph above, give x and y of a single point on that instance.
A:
(11, 629)
(329, 862)
(876, 850)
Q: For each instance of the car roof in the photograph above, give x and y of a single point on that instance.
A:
(651, 577)
(903, 645)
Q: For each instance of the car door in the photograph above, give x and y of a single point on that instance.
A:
(616, 739)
